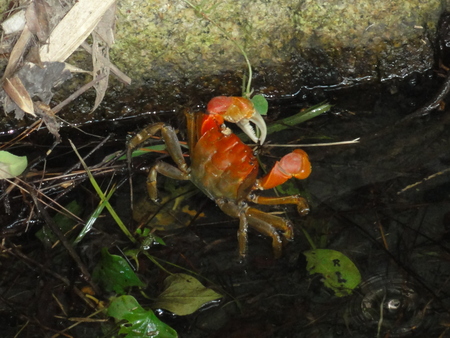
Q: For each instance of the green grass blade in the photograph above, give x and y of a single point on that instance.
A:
(298, 118)
(103, 198)
(94, 217)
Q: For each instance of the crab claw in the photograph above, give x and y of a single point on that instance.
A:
(239, 110)
(295, 164)
(259, 122)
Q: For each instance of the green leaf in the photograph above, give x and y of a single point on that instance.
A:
(184, 295)
(114, 273)
(261, 104)
(139, 322)
(341, 275)
(11, 165)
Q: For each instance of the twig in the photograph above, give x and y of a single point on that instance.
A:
(356, 140)
(17, 180)
(432, 104)
(16, 252)
(80, 91)
(64, 241)
(424, 180)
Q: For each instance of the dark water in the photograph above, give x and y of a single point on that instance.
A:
(383, 202)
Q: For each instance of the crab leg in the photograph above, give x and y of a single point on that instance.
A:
(165, 169)
(268, 225)
(234, 210)
(180, 172)
(273, 221)
(243, 235)
(300, 202)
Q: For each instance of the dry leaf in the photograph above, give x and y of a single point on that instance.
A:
(100, 51)
(17, 52)
(106, 26)
(37, 19)
(74, 28)
(17, 92)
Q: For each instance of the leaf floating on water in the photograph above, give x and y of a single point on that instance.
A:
(339, 272)
(18, 93)
(63, 221)
(184, 295)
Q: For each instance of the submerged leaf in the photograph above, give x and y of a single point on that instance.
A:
(114, 273)
(140, 323)
(340, 273)
(184, 295)
(64, 222)
(11, 165)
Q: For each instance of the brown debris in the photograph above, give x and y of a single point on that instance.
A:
(103, 38)
(51, 33)
(37, 19)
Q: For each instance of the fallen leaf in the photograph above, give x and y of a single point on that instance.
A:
(37, 19)
(339, 272)
(11, 165)
(18, 93)
(184, 295)
(17, 52)
(74, 28)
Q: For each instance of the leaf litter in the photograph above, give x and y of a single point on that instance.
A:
(50, 32)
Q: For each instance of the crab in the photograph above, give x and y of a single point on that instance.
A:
(226, 169)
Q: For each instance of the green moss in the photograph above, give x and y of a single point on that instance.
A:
(170, 40)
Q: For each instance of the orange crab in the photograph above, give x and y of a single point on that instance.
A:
(226, 169)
